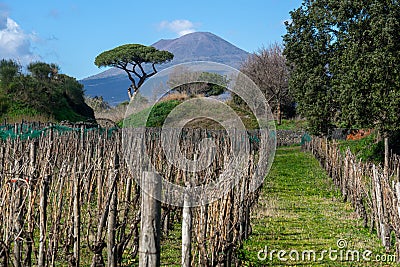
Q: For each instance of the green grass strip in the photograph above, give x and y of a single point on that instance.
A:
(300, 211)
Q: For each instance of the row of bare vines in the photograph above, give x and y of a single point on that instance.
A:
(71, 199)
(374, 196)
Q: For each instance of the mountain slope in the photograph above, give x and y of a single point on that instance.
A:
(202, 46)
(198, 46)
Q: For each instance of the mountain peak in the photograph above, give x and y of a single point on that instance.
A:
(204, 46)
(196, 46)
(191, 35)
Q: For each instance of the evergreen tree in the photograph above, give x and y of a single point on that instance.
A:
(131, 59)
(346, 64)
(309, 51)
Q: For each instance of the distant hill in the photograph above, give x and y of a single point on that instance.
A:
(203, 46)
(198, 46)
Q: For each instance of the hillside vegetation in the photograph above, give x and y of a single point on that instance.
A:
(41, 94)
(159, 112)
(370, 148)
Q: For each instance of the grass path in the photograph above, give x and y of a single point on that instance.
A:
(300, 209)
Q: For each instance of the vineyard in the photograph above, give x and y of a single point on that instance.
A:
(73, 199)
(83, 197)
(374, 195)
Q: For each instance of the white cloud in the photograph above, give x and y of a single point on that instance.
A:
(179, 26)
(14, 42)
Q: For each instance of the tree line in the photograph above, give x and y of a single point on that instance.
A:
(40, 91)
(344, 60)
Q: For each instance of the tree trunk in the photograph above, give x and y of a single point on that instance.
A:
(279, 113)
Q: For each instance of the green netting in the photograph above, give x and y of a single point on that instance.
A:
(25, 131)
(305, 138)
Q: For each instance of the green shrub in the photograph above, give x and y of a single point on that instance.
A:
(156, 116)
(365, 149)
(43, 93)
(160, 111)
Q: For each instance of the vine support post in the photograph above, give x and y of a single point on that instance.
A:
(186, 230)
(150, 232)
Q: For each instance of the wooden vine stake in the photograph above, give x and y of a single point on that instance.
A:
(186, 230)
(149, 242)
(112, 214)
(43, 218)
(77, 215)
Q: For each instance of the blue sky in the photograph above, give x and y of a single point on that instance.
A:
(73, 33)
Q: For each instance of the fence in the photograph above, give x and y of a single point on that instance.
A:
(289, 137)
(70, 198)
(375, 198)
(36, 129)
